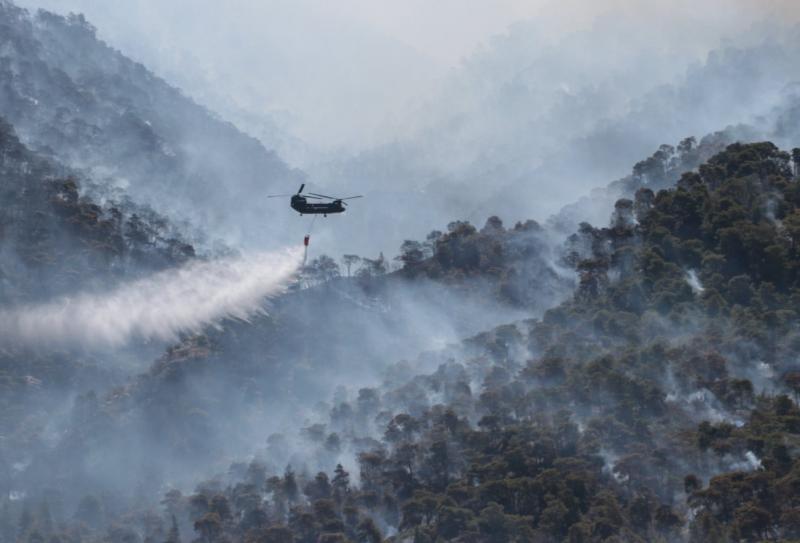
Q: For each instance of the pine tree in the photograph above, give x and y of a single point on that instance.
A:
(290, 487)
(796, 160)
(174, 535)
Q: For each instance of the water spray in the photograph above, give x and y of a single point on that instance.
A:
(159, 307)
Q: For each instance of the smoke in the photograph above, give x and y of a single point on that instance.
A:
(694, 282)
(428, 133)
(159, 307)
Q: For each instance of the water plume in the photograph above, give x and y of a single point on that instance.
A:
(159, 307)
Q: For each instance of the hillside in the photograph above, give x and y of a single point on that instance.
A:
(55, 240)
(626, 370)
(73, 98)
(657, 403)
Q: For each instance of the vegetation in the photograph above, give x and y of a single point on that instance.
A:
(77, 101)
(658, 403)
(656, 400)
(55, 239)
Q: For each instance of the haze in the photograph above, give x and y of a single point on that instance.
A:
(347, 74)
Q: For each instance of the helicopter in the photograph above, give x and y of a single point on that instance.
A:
(299, 202)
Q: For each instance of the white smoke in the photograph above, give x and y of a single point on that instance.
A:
(694, 282)
(159, 307)
(751, 462)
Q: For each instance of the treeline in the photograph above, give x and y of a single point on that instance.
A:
(519, 266)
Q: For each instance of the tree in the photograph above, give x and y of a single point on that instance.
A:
(741, 392)
(686, 146)
(705, 528)
(221, 506)
(319, 488)
(340, 483)
(198, 505)
(792, 380)
(209, 526)
(372, 267)
(796, 161)
(303, 525)
(752, 522)
(254, 519)
(438, 462)
(349, 261)
(322, 269)
(368, 532)
(429, 246)
(623, 213)
(643, 203)
(493, 226)
(174, 535)
(411, 253)
(171, 501)
(290, 488)
(691, 483)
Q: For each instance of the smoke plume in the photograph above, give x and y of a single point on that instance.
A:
(158, 307)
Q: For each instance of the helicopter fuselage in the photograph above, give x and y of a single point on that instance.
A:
(302, 206)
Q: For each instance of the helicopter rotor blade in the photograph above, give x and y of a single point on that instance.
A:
(279, 195)
(323, 196)
(335, 198)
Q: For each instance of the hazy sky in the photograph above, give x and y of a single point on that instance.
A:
(336, 74)
(329, 73)
(444, 30)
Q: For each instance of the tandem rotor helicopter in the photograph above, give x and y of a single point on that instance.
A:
(299, 202)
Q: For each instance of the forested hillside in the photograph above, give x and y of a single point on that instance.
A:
(54, 240)
(624, 371)
(72, 97)
(658, 403)
(655, 405)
